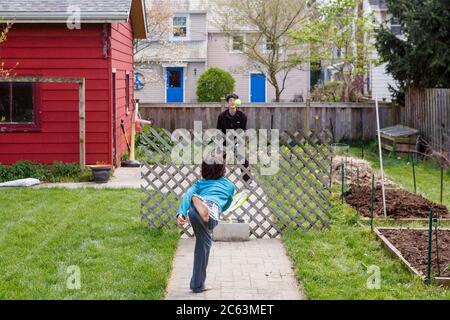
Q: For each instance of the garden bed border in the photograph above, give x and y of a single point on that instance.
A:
(443, 281)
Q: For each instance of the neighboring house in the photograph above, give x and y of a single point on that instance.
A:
(201, 46)
(41, 120)
(377, 79)
(171, 68)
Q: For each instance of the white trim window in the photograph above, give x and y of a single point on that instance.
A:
(180, 27)
(237, 43)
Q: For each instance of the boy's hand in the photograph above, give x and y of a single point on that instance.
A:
(181, 219)
(201, 209)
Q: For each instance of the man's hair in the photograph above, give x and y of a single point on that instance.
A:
(213, 166)
(231, 96)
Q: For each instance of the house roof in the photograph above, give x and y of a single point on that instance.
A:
(91, 11)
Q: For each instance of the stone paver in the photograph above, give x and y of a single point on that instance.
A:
(254, 270)
(129, 178)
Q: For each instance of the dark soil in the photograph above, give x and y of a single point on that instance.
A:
(413, 245)
(399, 203)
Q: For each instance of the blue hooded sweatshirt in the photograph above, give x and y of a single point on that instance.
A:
(219, 191)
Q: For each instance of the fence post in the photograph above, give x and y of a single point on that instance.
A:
(222, 104)
(307, 116)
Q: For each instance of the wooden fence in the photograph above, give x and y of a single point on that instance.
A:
(428, 110)
(346, 121)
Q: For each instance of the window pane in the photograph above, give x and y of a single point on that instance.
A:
(175, 79)
(238, 43)
(22, 99)
(5, 114)
(179, 31)
(179, 26)
(180, 21)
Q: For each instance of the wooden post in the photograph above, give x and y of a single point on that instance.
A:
(82, 113)
(222, 104)
(133, 130)
(307, 116)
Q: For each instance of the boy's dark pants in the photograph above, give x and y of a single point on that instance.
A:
(203, 241)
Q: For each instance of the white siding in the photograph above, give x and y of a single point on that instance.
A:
(153, 90)
(191, 80)
(198, 27)
(380, 81)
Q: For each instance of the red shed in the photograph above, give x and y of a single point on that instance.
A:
(85, 39)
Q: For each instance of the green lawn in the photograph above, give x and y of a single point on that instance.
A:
(333, 263)
(44, 231)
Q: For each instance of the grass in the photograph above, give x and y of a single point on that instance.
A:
(44, 231)
(399, 170)
(334, 263)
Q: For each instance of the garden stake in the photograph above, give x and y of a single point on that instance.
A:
(331, 172)
(442, 181)
(414, 174)
(373, 200)
(357, 176)
(342, 180)
(362, 150)
(437, 246)
(430, 243)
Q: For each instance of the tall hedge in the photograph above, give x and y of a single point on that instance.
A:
(214, 84)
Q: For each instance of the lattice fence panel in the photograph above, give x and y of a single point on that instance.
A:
(297, 196)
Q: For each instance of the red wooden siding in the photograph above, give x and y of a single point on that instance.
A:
(54, 50)
(122, 62)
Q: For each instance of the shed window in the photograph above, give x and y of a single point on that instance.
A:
(17, 105)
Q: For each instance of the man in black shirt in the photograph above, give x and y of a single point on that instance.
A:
(233, 119)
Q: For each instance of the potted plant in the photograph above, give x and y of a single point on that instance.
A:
(101, 172)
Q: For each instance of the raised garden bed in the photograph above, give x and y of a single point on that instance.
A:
(400, 204)
(411, 246)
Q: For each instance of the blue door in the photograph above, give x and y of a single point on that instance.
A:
(175, 84)
(257, 87)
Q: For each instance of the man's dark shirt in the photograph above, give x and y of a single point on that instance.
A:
(227, 121)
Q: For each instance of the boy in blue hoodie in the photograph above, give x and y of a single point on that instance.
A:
(202, 204)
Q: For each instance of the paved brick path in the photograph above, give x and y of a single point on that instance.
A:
(253, 270)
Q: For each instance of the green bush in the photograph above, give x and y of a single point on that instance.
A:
(57, 172)
(328, 92)
(214, 84)
(156, 144)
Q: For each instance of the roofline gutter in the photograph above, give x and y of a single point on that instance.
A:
(63, 17)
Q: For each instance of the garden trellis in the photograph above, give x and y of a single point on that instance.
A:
(296, 197)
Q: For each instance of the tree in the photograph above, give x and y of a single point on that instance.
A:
(421, 57)
(266, 24)
(157, 47)
(4, 29)
(340, 38)
(214, 84)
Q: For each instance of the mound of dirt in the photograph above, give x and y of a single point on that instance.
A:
(413, 245)
(399, 203)
(357, 171)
